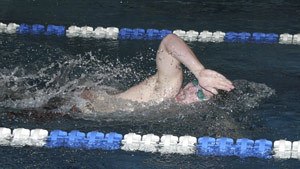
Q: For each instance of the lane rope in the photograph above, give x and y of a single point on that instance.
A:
(166, 144)
(148, 34)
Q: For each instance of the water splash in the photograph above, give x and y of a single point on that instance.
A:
(21, 90)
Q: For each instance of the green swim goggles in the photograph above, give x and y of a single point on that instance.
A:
(199, 92)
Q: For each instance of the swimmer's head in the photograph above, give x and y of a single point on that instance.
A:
(191, 93)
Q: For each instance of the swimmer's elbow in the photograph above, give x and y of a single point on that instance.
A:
(169, 38)
(171, 41)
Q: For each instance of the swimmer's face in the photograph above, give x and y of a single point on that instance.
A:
(187, 95)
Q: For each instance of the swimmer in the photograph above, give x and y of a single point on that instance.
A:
(167, 82)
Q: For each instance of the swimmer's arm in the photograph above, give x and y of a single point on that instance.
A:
(177, 52)
(172, 52)
(167, 81)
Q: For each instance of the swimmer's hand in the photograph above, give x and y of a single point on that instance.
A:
(211, 81)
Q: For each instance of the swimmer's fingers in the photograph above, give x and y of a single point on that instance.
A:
(214, 75)
(228, 82)
(220, 77)
(217, 75)
(223, 85)
(220, 83)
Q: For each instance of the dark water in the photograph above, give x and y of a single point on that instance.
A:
(36, 69)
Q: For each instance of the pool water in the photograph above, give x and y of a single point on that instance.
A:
(35, 69)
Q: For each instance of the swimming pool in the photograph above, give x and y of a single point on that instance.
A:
(120, 64)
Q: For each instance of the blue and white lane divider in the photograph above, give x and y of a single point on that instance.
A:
(149, 34)
(167, 144)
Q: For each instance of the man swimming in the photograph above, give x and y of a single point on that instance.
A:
(167, 82)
